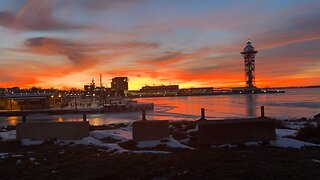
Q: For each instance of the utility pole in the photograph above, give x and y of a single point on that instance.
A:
(100, 81)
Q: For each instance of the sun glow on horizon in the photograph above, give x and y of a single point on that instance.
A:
(187, 43)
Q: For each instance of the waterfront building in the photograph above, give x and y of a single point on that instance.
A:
(155, 91)
(119, 85)
(2, 91)
(160, 90)
(90, 89)
(25, 102)
(196, 91)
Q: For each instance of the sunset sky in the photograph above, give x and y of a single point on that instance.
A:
(64, 43)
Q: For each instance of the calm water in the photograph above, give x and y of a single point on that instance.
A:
(295, 103)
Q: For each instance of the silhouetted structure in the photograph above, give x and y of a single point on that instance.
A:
(89, 89)
(20, 102)
(249, 54)
(196, 91)
(119, 86)
(162, 89)
(170, 90)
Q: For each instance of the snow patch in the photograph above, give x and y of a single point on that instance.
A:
(170, 142)
(150, 152)
(290, 143)
(110, 146)
(95, 142)
(299, 125)
(193, 130)
(224, 146)
(30, 142)
(282, 141)
(184, 141)
(16, 155)
(4, 155)
(286, 132)
(294, 126)
(316, 160)
(254, 143)
(8, 135)
(117, 134)
(7, 155)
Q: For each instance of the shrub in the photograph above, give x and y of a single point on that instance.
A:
(309, 133)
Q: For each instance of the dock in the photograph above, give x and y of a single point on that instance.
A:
(105, 109)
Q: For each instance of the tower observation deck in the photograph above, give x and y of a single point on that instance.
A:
(249, 54)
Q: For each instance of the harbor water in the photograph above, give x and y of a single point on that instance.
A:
(294, 104)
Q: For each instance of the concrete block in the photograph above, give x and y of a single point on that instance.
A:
(236, 131)
(150, 130)
(53, 130)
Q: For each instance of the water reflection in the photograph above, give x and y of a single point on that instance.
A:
(251, 104)
(12, 120)
(295, 103)
(60, 119)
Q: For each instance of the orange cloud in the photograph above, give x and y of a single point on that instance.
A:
(288, 51)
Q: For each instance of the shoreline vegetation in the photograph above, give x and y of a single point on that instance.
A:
(109, 152)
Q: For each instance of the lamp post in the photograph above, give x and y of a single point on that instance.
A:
(75, 102)
(11, 101)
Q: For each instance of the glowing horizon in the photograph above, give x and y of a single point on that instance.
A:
(63, 44)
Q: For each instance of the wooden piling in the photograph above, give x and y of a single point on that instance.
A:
(84, 116)
(143, 115)
(262, 111)
(24, 118)
(203, 116)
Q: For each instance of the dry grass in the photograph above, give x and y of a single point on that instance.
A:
(88, 162)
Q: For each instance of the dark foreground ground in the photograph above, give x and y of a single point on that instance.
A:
(51, 161)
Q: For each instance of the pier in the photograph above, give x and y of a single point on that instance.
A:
(105, 109)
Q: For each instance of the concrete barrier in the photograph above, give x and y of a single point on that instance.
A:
(148, 130)
(236, 131)
(52, 130)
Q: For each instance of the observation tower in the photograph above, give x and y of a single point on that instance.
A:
(249, 54)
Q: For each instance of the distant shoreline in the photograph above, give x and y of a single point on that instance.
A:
(293, 87)
(209, 94)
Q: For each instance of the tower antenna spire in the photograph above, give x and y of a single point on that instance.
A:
(100, 80)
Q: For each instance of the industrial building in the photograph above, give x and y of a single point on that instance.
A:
(119, 85)
(90, 89)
